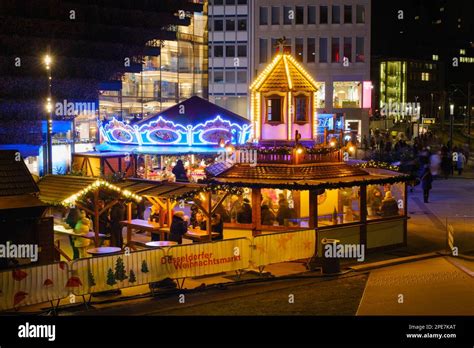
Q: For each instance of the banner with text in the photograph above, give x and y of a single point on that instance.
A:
(198, 259)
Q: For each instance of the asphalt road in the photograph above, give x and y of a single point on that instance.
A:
(303, 296)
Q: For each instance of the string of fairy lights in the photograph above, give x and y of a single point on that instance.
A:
(97, 185)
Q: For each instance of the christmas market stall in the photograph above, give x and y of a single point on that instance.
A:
(193, 131)
(352, 204)
(22, 215)
(93, 196)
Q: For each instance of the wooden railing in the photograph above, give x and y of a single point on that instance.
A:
(335, 156)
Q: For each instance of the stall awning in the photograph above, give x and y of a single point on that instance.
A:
(15, 178)
(64, 189)
(165, 190)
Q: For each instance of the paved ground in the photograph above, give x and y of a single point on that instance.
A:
(430, 287)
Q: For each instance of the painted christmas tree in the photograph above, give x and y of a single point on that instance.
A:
(110, 277)
(132, 278)
(91, 279)
(120, 270)
(144, 267)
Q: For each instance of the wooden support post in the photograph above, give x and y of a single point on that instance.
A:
(209, 209)
(96, 217)
(313, 207)
(363, 215)
(256, 211)
(129, 211)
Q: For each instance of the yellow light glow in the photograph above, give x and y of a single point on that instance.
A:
(47, 60)
(287, 71)
(299, 151)
(290, 115)
(332, 143)
(315, 116)
(351, 149)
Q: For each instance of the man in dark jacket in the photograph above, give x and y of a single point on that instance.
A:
(117, 214)
(426, 181)
(178, 228)
(244, 216)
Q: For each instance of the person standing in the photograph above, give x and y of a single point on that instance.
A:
(178, 227)
(426, 182)
(180, 172)
(72, 219)
(82, 228)
(117, 214)
(461, 162)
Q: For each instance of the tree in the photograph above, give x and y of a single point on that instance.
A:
(132, 278)
(110, 277)
(120, 270)
(144, 267)
(91, 279)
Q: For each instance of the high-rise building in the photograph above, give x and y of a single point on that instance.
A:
(332, 41)
(229, 51)
(175, 73)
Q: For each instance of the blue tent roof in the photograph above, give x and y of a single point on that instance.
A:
(196, 110)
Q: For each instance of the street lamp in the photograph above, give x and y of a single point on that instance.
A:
(451, 125)
(49, 108)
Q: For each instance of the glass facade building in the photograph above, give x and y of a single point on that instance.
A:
(179, 72)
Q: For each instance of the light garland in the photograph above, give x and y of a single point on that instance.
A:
(94, 186)
(378, 165)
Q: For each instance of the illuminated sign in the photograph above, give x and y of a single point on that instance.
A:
(330, 122)
(164, 132)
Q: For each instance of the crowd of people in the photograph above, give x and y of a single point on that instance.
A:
(425, 157)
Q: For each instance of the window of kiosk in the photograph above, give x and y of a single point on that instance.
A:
(274, 110)
(283, 208)
(385, 201)
(301, 109)
(339, 206)
(234, 209)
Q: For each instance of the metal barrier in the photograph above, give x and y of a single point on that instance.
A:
(104, 273)
(460, 235)
(34, 284)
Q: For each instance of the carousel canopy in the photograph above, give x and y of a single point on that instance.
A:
(194, 122)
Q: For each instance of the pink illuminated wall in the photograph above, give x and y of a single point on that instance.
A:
(367, 95)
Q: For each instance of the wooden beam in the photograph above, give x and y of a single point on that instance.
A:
(129, 211)
(313, 209)
(96, 218)
(209, 222)
(108, 206)
(256, 210)
(219, 202)
(80, 206)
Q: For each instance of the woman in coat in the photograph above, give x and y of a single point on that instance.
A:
(82, 227)
(178, 228)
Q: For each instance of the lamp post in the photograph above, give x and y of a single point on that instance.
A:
(451, 121)
(49, 126)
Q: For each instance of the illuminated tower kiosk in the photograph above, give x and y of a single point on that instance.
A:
(283, 101)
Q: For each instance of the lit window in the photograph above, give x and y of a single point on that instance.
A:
(274, 112)
(462, 51)
(435, 57)
(347, 94)
(301, 109)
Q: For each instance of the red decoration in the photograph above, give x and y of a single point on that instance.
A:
(19, 275)
(73, 282)
(62, 265)
(48, 282)
(19, 297)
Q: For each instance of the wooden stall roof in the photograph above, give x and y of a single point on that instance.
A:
(284, 73)
(161, 189)
(54, 189)
(302, 176)
(15, 178)
(20, 202)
